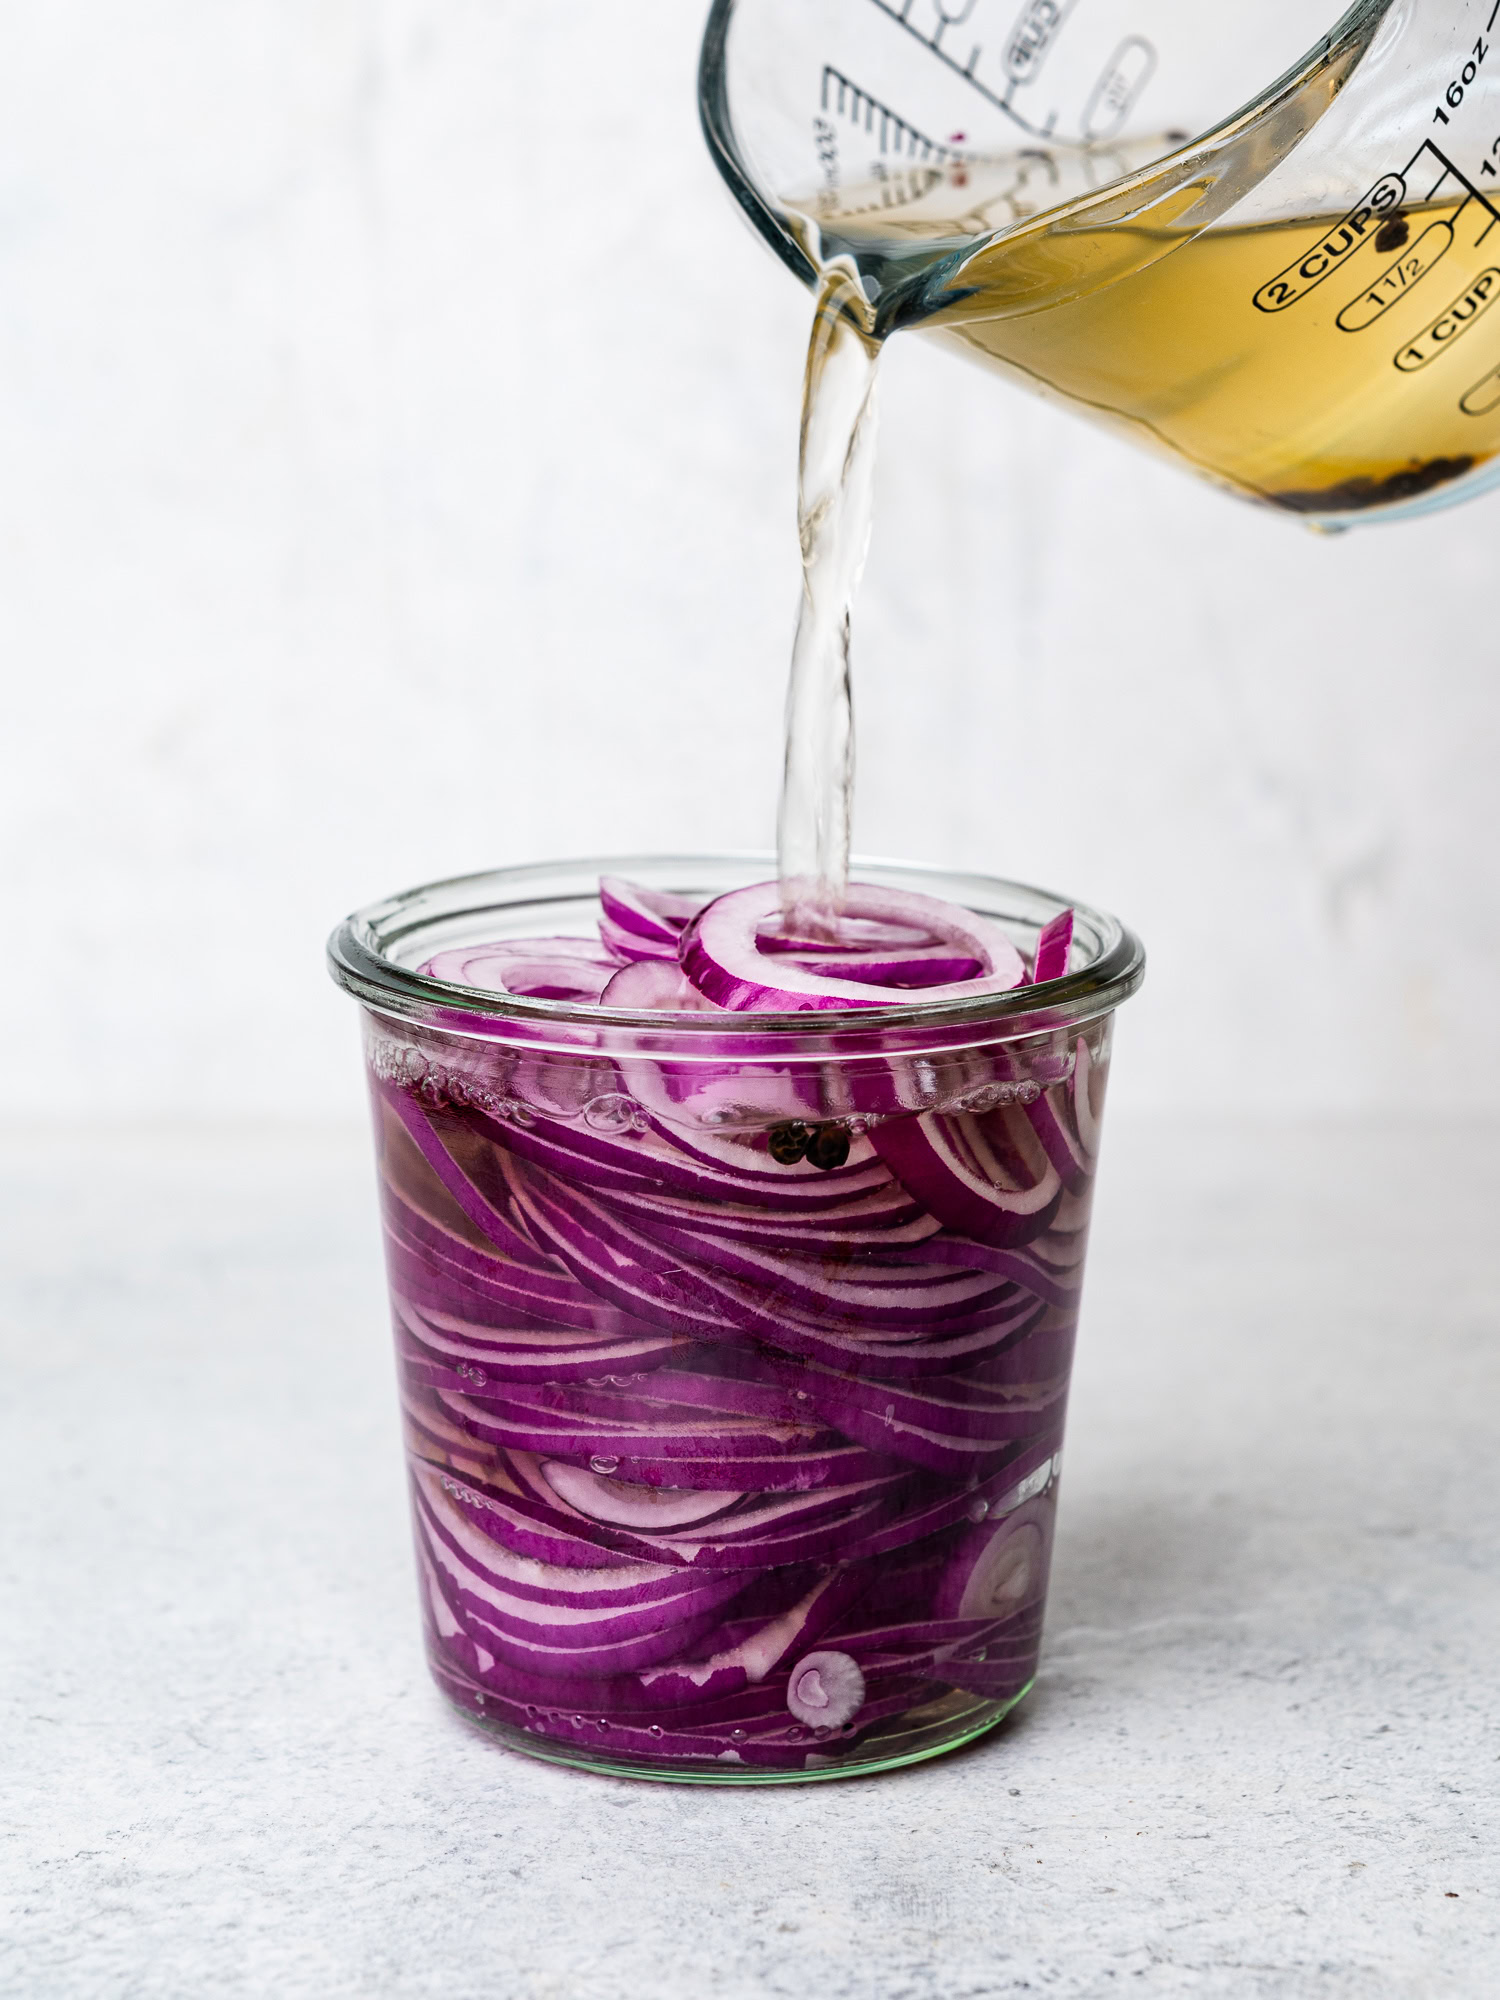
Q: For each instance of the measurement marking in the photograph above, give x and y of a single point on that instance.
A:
(1033, 38)
(930, 42)
(1454, 321)
(1387, 197)
(1334, 247)
(853, 103)
(1484, 395)
(1437, 152)
(1494, 11)
(1121, 82)
(1398, 277)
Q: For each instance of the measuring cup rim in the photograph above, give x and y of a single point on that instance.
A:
(1362, 17)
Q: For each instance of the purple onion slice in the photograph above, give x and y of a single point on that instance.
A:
(984, 1175)
(853, 934)
(654, 984)
(628, 946)
(907, 967)
(825, 1689)
(623, 1504)
(657, 915)
(559, 968)
(751, 1658)
(1052, 1120)
(1088, 1097)
(721, 952)
(1052, 947)
(998, 1570)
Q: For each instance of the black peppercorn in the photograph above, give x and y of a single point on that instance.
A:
(787, 1144)
(828, 1147)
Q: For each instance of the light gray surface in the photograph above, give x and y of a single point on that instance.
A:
(1262, 1751)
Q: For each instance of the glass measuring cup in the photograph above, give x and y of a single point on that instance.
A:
(1285, 286)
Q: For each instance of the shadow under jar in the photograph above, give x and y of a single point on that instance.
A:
(733, 1347)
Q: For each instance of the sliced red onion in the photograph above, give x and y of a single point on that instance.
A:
(656, 914)
(1052, 1120)
(825, 1689)
(854, 934)
(553, 1639)
(659, 1510)
(625, 1268)
(984, 1175)
(764, 1647)
(696, 1454)
(480, 1355)
(760, 1530)
(721, 952)
(1022, 1267)
(447, 1149)
(662, 1158)
(1054, 941)
(884, 1221)
(1088, 1097)
(628, 946)
(911, 966)
(440, 1500)
(998, 1570)
(654, 984)
(875, 1295)
(558, 968)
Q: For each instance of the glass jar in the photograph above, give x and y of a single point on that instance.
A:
(734, 1347)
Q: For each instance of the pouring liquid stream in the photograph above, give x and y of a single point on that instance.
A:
(1321, 365)
(835, 500)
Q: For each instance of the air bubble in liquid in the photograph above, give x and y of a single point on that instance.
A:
(604, 1465)
(978, 1509)
(657, 1730)
(610, 1113)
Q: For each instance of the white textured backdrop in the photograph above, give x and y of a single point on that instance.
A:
(396, 451)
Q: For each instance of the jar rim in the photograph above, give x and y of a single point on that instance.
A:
(366, 952)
